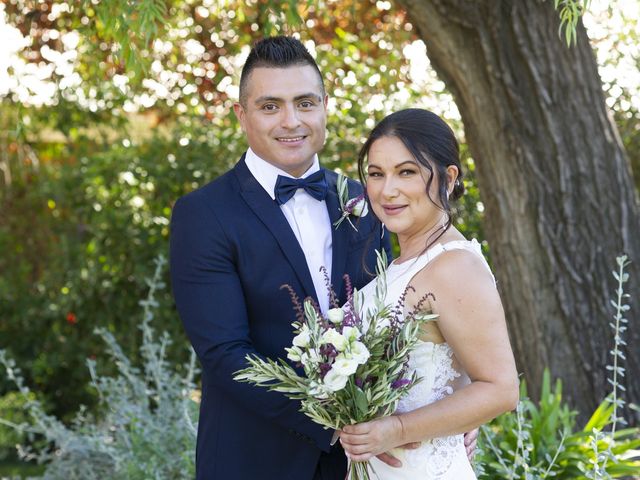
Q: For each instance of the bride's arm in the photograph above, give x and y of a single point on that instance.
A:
(472, 323)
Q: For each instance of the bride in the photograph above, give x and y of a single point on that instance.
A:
(464, 358)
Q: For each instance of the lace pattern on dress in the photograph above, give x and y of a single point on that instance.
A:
(434, 363)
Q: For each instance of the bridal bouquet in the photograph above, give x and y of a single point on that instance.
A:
(354, 362)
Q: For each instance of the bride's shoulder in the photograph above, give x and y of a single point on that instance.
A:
(459, 264)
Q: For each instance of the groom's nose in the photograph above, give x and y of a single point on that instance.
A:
(290, 117)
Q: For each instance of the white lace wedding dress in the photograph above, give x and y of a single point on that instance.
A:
(442, 458)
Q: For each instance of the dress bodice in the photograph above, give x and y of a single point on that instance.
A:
(441, 458)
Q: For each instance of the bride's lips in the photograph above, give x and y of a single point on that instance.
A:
(393, 209)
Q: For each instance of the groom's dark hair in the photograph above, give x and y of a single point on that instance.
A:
(276, 52)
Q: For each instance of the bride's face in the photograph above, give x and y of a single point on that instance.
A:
(397, 189)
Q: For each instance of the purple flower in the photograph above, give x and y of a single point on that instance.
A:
(329, 351)
(324, 368)
(401, 382)
(349, 317)
(357, 206)
(359, 382)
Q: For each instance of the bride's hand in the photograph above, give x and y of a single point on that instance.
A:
(369, 439)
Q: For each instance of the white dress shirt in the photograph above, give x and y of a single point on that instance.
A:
(308, 218)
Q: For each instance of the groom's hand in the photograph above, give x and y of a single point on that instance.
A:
(393, 461)
(470, 441)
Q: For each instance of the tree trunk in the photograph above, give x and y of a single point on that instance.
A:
(559, 198)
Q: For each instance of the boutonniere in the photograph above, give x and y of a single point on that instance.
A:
(356, 207)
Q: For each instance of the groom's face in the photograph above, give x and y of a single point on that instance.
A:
(284, 115)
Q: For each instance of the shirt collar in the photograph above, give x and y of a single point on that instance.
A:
(267, 174)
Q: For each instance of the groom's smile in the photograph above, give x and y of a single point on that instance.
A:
(284, 116)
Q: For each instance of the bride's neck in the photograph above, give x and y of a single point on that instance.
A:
(413, 245)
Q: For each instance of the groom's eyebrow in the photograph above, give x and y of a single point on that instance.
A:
(268, 98)
(312, 95)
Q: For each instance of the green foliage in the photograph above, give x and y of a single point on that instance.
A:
(615, 35)
(570, 12)
(145, 427)
(130, 26)
(540, 440)
(12, 414)
(18, 470)
(101, 220)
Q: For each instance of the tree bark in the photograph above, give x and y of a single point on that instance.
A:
(559, 198)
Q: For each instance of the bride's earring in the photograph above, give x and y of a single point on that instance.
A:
(382, 232)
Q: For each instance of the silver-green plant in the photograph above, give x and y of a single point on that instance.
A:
(540, 441)
(146, 425)
(615, 398)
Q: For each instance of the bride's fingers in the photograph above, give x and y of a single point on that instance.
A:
(359, 429)
(357, 449)
(353, 439)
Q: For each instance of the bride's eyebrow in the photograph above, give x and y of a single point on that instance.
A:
(411, 162)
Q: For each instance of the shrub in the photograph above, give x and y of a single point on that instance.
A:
(101, 220)
(12, 417)
(540, 440)
(145, 428)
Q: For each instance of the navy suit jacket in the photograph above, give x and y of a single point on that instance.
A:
(231, 251)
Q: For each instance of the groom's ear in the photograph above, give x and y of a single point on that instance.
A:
(239, 111)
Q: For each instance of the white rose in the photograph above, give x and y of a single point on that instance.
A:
(294, 354)
(344, 365)
(336, 315)
(359, 353)
(351, 334)
(357, 206)
(333, 337)
(302, 339)
(334, 381)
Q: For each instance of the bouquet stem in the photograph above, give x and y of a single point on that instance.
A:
(359, 471)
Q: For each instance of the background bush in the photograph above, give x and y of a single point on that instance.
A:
(144, 426)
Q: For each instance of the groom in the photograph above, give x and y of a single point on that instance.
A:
(234, 242)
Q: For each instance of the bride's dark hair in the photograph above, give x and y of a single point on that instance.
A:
(432, 143)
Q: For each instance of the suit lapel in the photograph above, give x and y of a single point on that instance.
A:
(268, 211)
(339, 236)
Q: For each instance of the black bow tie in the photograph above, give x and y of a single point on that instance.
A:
(315, 185)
